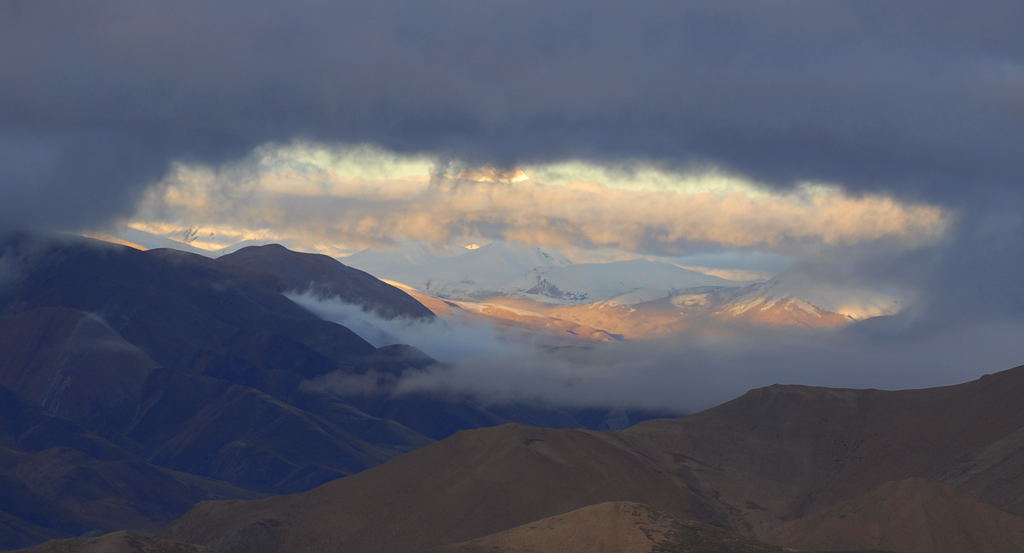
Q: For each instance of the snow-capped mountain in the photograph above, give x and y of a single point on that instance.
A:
(402, 261)
(495, 269)
(628, 282)
(505, 269)
(804, 293)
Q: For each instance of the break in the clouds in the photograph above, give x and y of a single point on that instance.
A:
(918, 99)
(367, 198)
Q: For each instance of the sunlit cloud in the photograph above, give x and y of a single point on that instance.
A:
(361, 197)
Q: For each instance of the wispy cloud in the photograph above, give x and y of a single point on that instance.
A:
(444, 339)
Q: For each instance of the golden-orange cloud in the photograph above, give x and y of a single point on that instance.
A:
(333, 206)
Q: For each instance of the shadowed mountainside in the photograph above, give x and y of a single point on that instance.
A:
(178, 366)
(324, 276)
(193, 371)
(58, 478)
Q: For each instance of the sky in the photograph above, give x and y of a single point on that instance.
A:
(871, 141)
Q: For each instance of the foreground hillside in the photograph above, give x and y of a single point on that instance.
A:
(618, 526)
(769, 465)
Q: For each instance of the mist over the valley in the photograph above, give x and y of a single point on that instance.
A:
(681, 373)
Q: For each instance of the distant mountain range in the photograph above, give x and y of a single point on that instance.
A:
(533, 288)
(502, 269)
(541, 292)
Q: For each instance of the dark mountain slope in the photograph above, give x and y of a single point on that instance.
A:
(233, 421)
(196, 370)
(184, 313)
(57, 479)
(324, 276)
(179, 365)
(74, 365)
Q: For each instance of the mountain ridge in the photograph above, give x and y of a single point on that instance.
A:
(774, 455)
(196, 374)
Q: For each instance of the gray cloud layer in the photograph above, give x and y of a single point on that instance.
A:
(923, 98)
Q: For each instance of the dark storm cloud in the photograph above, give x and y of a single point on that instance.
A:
(100, 96)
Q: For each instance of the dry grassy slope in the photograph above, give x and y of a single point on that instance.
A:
(117, 542)
(994, 473)
(909, 516)
(780, 452)
(474, 483)
(773, 455)
(622, 527)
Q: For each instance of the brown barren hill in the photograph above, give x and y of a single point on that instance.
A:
(909, 516)
(774, 455)
(782, 452)
(117, 542)
(475, 483)
(620, 527)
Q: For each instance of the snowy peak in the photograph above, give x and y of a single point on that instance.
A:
(626, 282)
(802, 293)
(468, 274)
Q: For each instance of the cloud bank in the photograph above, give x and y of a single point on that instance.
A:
(918, 99)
